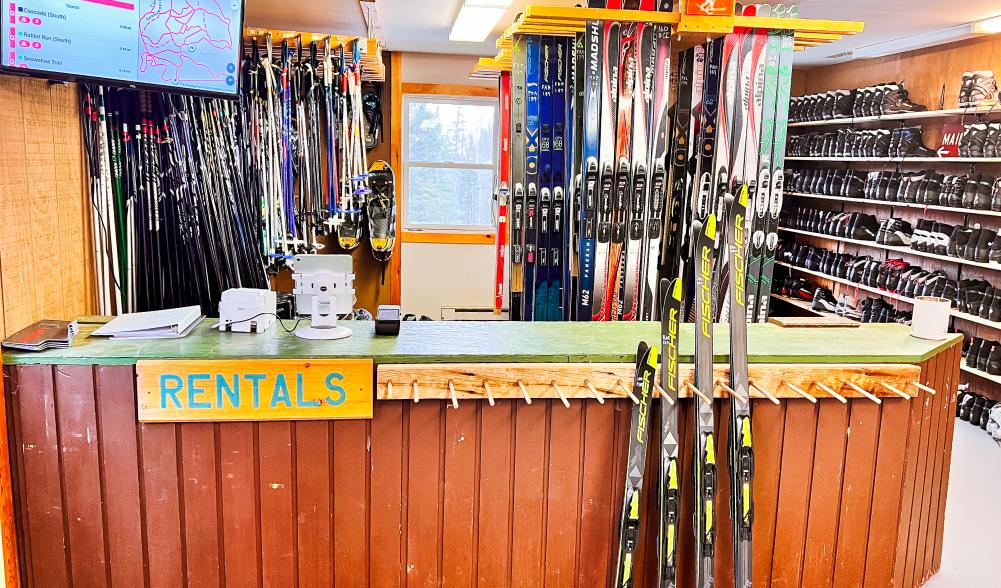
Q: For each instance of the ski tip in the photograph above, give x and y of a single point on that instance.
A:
(710, 226)
(676, 289)
(742, 195)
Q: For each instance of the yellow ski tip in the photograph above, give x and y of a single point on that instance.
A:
(742, 197)
(677, 290)
(711, 226)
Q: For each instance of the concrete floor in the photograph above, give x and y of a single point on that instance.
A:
(971, 548)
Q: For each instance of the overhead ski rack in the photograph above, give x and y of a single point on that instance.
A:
(690, 30)
(372, 67)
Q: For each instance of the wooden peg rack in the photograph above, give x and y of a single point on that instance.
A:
(396, 381)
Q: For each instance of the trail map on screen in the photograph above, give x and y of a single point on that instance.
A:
(180, 44)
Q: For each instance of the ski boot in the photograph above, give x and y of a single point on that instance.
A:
(911, 144)
(984, 90)
(895, 100)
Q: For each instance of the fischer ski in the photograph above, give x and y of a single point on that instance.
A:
(544, 220)
(669, 486)
(532, 53)
(558, 220)
(741, 456)
(704, 450)
(629, 526)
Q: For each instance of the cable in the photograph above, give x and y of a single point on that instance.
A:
(277, 320)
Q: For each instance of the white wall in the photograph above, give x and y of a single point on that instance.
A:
(439, 68)
(444, 275)
(439, 275)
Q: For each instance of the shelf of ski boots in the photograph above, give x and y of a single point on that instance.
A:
(895, 204)
(983, 358)
(895, 248)
(988, 315)
(978, 97)
(363, 50)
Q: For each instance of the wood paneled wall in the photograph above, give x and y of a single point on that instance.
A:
(932, 77)
(426, 495)
(45, 244)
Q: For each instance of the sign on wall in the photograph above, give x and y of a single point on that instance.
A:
(709, 7)
(254, 390)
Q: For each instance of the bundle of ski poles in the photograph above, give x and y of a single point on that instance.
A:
(605, 180)
(193, 195)
(724, 184)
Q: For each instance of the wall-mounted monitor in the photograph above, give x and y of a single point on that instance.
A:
(170, 45)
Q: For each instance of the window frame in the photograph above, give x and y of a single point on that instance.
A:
(405, 161)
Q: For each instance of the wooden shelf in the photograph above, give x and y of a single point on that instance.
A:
(688, 30)
(946, 113)
(899, 159)
(896, 204)
(887, 294)
(979, 373)
(373, 68)
(897, 249)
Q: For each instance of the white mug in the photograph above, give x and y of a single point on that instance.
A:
(931, 318)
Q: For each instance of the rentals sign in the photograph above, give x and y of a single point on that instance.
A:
(256, 390)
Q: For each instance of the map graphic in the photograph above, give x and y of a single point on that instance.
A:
(186, 42)
(179, 44)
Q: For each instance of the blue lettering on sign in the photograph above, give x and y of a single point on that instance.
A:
(170, 390)
(255, 380)
(339, 391)
(298, 394)
(194, 390)
(232, 390)
(280, 393)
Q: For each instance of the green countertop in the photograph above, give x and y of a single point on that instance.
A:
(498, 342)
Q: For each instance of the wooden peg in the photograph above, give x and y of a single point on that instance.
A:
(451, 392)
(731, 391)
(663, 393)
(763, 392)
(524, 392)
(799, 391)
(628, 392)
(927, 389)
(697, 392)
(594, 392)
(490, 394)
(559, 393)
(417, 396)
(864, 392)
(389, 390)
(831, 391)
(895, 390)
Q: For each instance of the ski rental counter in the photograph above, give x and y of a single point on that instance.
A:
(489, 451)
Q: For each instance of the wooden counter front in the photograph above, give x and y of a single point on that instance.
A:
(423, 494)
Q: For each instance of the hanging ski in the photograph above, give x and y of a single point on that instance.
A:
(668, 479)
(518, 177)
(532, 54)
(590, 171)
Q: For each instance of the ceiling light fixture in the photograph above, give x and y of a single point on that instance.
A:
(929, 39)
(477, 19)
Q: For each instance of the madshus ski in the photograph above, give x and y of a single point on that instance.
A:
(668, 478)
(778, 161)
(623, 171)
(629, 527)
(503, 190)
(600, 300)
(574, 183)
(591, 175)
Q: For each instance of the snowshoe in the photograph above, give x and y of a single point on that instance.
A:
(381, 210)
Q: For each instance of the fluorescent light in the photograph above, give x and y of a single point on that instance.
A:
(930, 39)
(477, 19)
(988, 26)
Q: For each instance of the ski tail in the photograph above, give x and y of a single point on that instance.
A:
(632, 503)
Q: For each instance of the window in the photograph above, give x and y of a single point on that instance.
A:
(449, 160)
